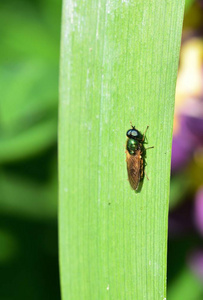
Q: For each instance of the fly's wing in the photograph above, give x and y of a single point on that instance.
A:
(133, 167)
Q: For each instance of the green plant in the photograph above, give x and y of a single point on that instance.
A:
(118, 64)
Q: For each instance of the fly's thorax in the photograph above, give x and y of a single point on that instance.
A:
(132, 146)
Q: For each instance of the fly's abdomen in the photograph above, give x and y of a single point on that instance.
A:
(133, 168)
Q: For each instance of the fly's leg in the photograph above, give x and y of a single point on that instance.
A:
(144, 133)
(146, 175)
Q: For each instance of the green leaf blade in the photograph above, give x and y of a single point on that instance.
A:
(118, 64)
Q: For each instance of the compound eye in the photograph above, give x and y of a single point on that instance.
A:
(129, 133)
(134, 133)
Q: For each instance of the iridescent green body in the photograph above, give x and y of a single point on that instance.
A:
(133, 146)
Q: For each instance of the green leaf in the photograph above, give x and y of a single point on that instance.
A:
(118, 64)
(180, 187)
(29, 81)
(9, 246)
(26, 198)
(186, 286)
(188, 4)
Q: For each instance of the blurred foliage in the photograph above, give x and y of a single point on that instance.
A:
(185, 252)
(183, 283)
(29, 77)
(29, 56)
(29, 268)
(188, 4)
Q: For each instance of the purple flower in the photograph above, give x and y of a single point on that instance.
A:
(198, 210)
(189, 137)
(200, 2)
(196, 263)
(181, 220)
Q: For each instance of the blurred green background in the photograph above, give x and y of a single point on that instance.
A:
(29, 71)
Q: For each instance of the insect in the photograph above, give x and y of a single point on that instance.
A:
(135, 156)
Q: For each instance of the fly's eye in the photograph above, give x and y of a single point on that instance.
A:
(134, 133)
(128, 133)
